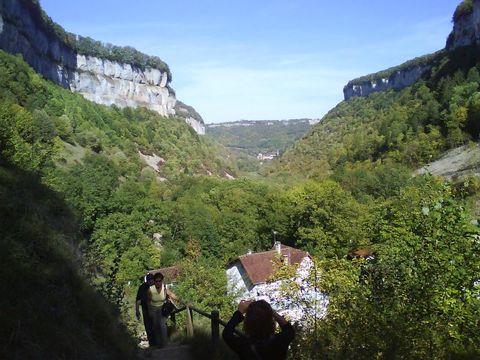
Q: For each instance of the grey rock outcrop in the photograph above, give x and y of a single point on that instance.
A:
(460, 162)
(466, 29)
(111, 83)
(197, 125)
(398, 80)
(21, 34)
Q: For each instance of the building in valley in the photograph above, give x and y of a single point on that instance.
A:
(258, 276)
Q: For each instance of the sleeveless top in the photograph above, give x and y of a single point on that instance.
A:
(158, 298)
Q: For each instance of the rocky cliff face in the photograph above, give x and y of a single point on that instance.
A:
(20, 33)
(109, 83)
(398, 80)
(466, 28)
(197, 125)
(99, 80)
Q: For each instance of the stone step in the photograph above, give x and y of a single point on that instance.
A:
(170, 352)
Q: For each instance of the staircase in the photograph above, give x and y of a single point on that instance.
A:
(170, 352)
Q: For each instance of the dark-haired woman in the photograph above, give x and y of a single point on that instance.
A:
(157, 294)
(261, 342)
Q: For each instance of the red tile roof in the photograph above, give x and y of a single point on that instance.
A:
(170, 273)
(259, 266)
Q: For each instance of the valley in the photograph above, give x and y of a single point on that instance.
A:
(105, 175)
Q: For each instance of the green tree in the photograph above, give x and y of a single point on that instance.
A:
(325, 219)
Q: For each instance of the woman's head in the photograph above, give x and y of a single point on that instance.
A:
(157, 279)
(259, 323)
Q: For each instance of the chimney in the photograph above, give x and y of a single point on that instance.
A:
(286, 259)
(278, 247)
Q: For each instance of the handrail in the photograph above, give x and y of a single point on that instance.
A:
(215, 321)
(213, 318)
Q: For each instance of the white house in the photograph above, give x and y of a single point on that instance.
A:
(248, 277)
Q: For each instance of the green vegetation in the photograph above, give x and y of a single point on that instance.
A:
(247, 138)
(409, 127)
(76, 194)
(89, 154)
(50, 310)
(39, 120)
(121, 54)
(262, 136)
(185, 111)
(418, 298)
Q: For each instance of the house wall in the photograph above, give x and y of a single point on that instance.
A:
(238, 283)
(282, 294)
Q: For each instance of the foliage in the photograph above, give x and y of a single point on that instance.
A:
(185, 111)
(412, 126)
(253, 137)
(121, 54)
(419, 297)
(51, 310)
(325, 219)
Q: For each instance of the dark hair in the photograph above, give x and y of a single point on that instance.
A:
(149, 277)
(259, 323)
(157, 276)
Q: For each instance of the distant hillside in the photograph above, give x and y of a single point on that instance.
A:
(252, 142)
(259, 136)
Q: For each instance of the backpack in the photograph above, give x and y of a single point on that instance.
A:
(168, 307)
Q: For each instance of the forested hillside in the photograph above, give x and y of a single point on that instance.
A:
(409, 127)
(87, 155)
(93, 196)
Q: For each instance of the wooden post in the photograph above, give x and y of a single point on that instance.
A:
(174, 321)
(215, 326)
(189, 323)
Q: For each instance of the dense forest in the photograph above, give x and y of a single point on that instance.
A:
(426, 246)
(83, 216)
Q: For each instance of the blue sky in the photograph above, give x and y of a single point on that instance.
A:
(264, 59)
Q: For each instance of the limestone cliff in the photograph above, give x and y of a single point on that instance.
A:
(397, 79)
(111, 83)
(25, 29)
(22, 32)
(191, 116)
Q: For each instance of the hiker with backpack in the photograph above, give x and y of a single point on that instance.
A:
(159, 308)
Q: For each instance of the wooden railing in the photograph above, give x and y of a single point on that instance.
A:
(214, 317)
